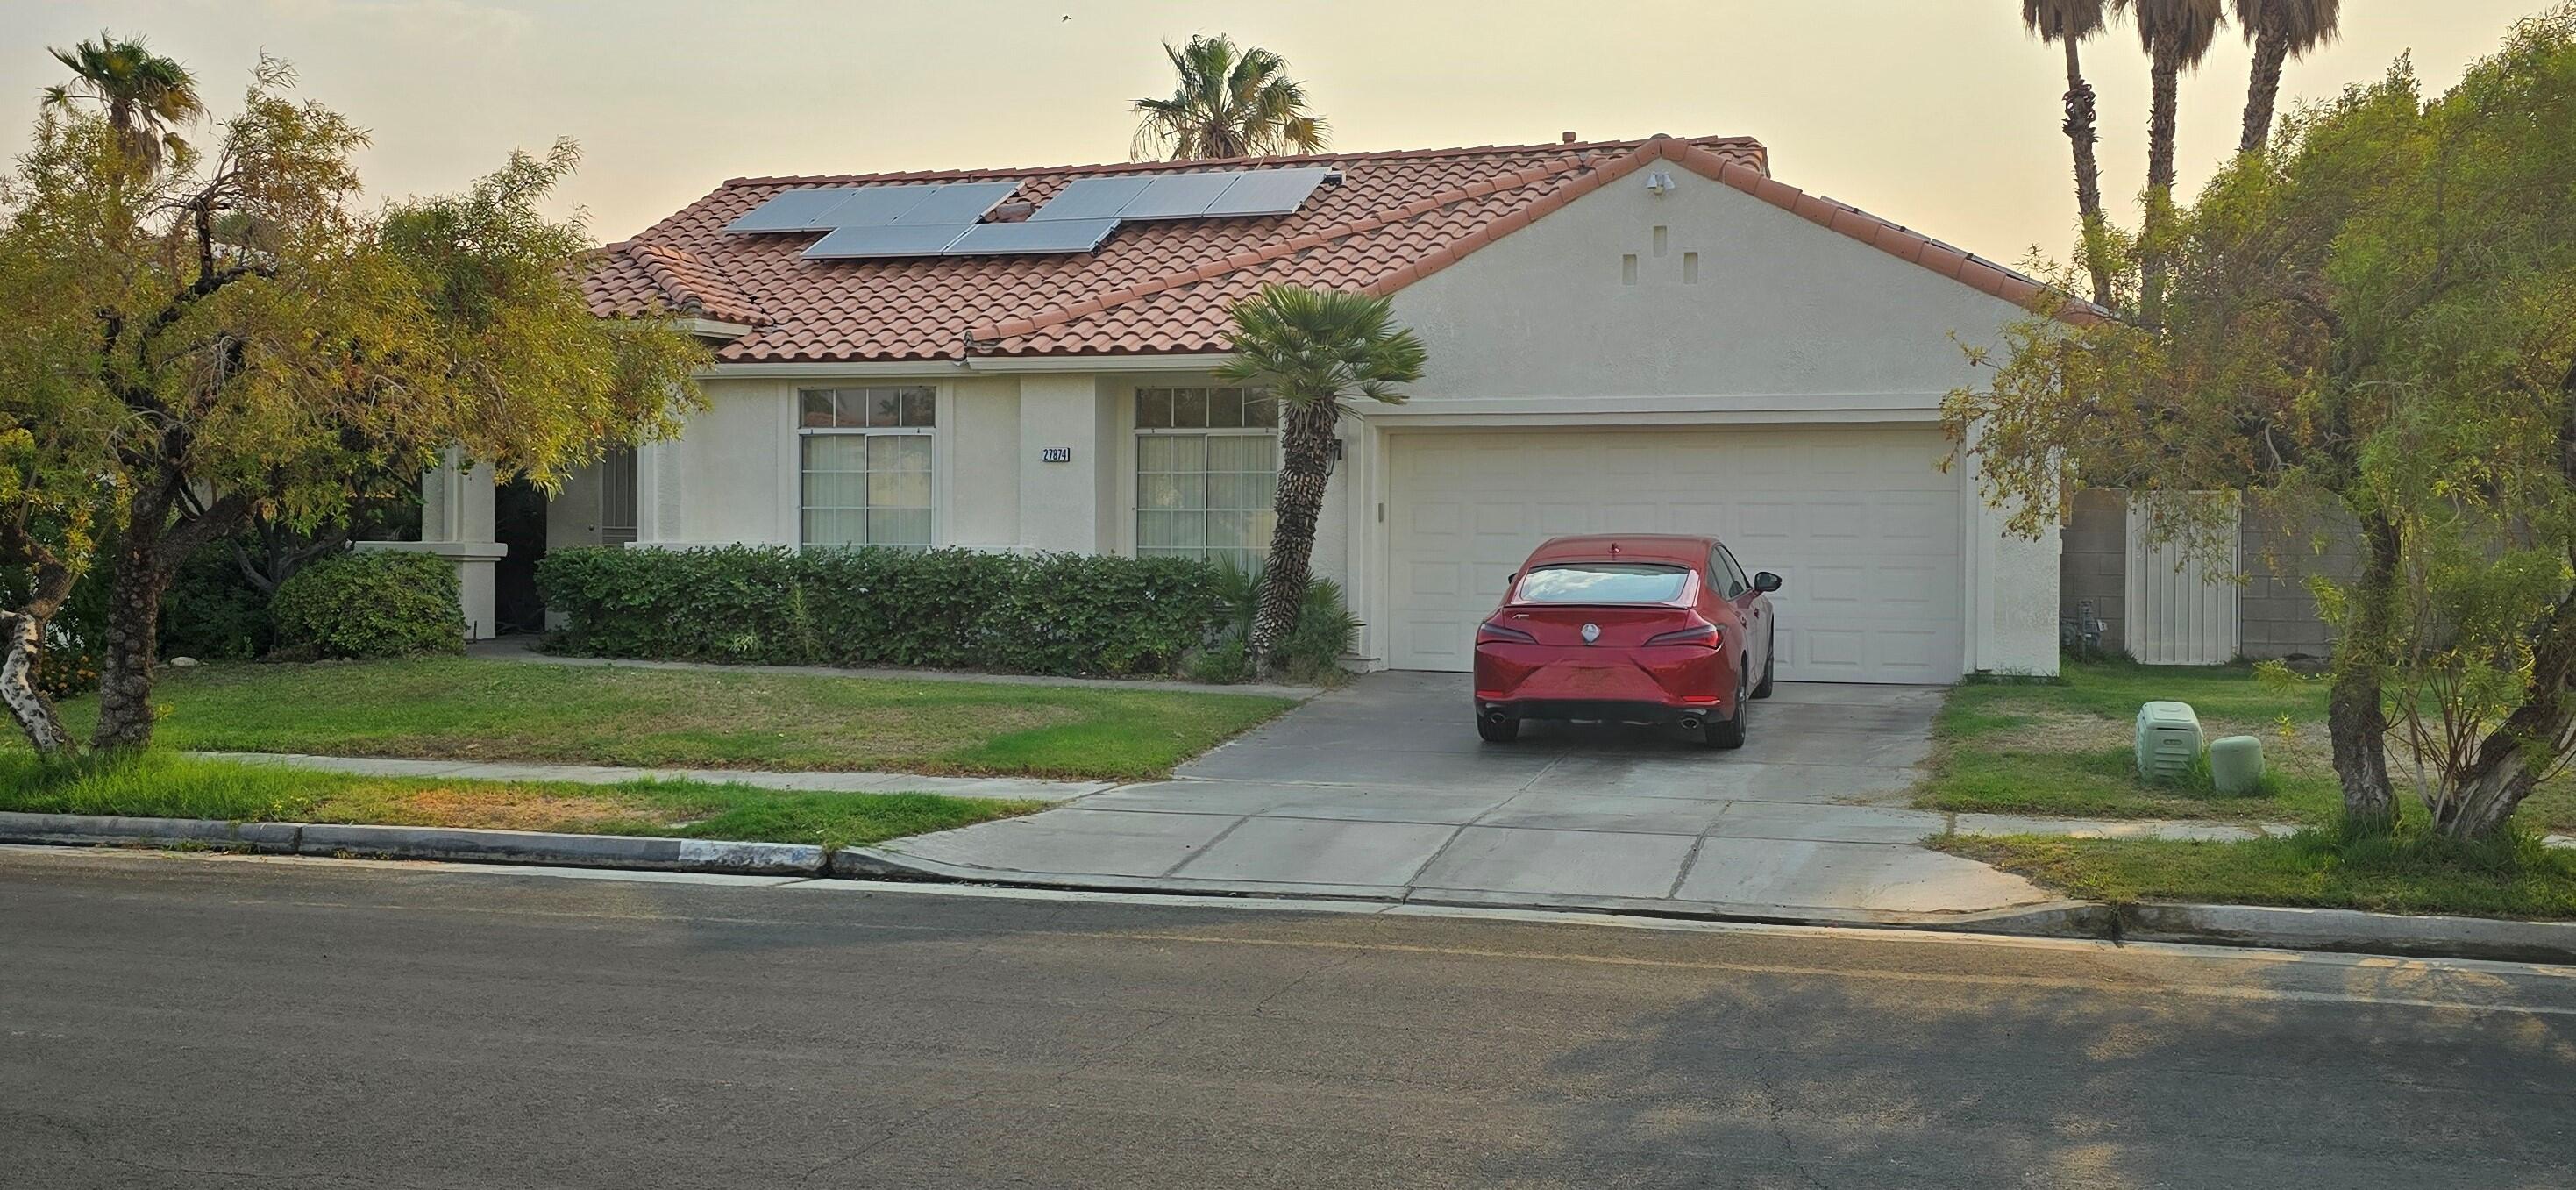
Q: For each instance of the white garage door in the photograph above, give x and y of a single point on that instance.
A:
(1859, 522)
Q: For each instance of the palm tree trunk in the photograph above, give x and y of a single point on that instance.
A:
(2079, 127)
(133, 626)
(2160, 179)
(2355, 719)
(2270, 51)
(1306, 448)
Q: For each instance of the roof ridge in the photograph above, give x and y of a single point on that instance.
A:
(1058, 315)
(1205, 163)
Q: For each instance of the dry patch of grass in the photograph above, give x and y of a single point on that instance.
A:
(162, 785)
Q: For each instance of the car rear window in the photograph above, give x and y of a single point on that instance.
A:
(1604, 582)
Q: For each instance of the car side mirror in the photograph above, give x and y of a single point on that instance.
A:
(1764, 580)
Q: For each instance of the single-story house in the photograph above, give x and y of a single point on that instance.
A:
(1651, 335)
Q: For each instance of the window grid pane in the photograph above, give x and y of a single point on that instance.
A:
(1206, 495)
(866, 489)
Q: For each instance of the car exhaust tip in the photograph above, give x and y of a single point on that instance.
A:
(1496, 717)
(1690, 723)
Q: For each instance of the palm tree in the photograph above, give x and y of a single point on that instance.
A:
(1230, 103)
(2176, 35)
(2280, 30)
(143, 93)
(2069, 22)
(1312, 348)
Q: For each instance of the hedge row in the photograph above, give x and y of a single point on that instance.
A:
(959, 609)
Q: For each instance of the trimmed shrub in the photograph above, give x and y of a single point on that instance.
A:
(956, 609)
(211, 612)
(370, 604)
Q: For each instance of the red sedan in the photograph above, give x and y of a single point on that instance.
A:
(1638, 629)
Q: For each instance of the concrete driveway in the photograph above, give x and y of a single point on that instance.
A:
(1381, 788)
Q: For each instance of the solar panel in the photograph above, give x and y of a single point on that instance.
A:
(1050, 235)
(957, 202)
(910, 239)
(796, 210)
(876, 206)
(1177, 196)
(1091, 198)
(1266, 192)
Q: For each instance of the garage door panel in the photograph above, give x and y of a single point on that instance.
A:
(1858, 520)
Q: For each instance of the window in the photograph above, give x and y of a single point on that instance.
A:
(1729, 576)
(864, 454)
(617, 496)
(1207, 467)
(1604, 582)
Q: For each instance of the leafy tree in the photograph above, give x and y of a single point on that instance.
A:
(210, 380)
(1313, 348)
(2377, 320)
(2176, 34)
(2280, 30)
(1229, 103)
(2069, 22)
(142, 94)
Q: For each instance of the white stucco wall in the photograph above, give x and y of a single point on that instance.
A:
(1705, 305)
(980, 422)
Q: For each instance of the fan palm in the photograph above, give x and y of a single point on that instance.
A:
(2069, 22)
(1230, 103)
(1312, 348)
(2280, 30)
(2176, 35)
(142, 92)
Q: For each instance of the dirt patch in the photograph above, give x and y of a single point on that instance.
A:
(487, 809)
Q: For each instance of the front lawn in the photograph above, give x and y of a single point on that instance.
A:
(2064, 748)
(2409, 874)
(164, 785)
(466, 708)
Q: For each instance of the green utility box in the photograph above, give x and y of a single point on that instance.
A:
(2236, 764)
(2168, 741)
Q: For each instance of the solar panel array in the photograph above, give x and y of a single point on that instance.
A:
(944, 218)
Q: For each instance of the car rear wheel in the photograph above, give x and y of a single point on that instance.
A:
(1728, 732)
(1497, 731)
(1762, 689)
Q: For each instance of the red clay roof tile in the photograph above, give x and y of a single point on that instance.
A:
(1153, 287)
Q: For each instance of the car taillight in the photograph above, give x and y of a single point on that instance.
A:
(1706, 635)
(1496, 632)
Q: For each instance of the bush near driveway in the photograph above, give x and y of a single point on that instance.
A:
(370, 604)
(956, 609)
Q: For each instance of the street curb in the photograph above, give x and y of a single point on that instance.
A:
(408, 842)
(2266, 926)
(2352, 930)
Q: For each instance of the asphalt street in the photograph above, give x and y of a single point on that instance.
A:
(179, 1020)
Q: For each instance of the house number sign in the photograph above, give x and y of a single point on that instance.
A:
(1055, 454)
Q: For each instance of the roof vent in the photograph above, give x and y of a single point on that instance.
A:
(1013, 212)
(1569, 136)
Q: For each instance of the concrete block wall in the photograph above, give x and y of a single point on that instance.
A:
(2281, 550)
(2092, 562)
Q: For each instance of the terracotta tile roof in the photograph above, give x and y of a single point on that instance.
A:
(1163, 287)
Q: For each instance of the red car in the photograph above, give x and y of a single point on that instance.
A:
(1637, 629)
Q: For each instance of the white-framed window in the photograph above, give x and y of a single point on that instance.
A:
(617, 496)
(1207, 470)
(864, 461)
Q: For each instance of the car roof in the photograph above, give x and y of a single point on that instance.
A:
(1625, 547)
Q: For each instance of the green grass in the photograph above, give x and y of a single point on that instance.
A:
(465, 708)
(2064, 748)
(164, 785)
(2407, 873)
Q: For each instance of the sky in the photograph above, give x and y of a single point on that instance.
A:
(1939, 114)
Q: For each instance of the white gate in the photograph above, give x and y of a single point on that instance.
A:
(2182, 609)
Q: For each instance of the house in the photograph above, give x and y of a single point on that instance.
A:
(1648, 334)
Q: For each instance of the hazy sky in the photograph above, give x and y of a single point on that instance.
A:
(1940, 114)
